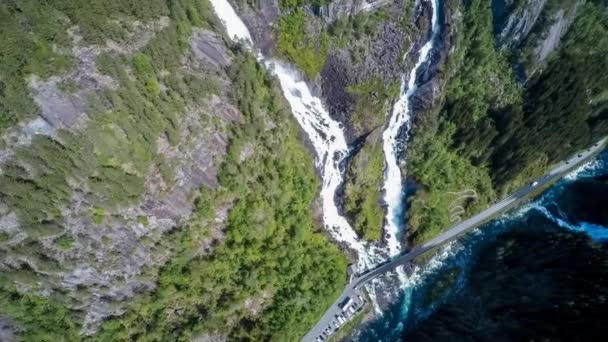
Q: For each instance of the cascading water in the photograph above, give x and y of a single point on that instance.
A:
(325, 134)
(393, 142)
(461, 254)
(328, 139)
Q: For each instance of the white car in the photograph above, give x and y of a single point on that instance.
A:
(535, 183)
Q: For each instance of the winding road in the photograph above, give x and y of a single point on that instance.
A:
(354, 287)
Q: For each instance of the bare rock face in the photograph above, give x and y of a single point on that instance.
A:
(207, 46)
(7, 330)
(63, 99)
(534, 27)
(519, 22)
(561, 22)
(381, 57)
(426, 95)
(343, 8)
(210, 338)
(432, 78)
(260, 19)
(59, 109)
(105, 264)
(336, 76)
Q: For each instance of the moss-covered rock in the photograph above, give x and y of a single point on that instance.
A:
(362, 194)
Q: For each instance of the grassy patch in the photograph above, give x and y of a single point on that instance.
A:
(65, 241)
(98, 215)
(293, 43)
(142, 220)
(373, 100)
(362, 192)
(4, 237)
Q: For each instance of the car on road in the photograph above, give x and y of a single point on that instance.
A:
(535, 183)
(580, 155)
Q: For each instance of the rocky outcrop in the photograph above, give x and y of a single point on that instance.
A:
(533, 29)
(372, 56)
(514, 24)
(433, 78)
(63, 99)
(208, 47)
(7, 330)
(260, 20)
(103, 261)
(337, 9)
(560, 24)
(554, 34)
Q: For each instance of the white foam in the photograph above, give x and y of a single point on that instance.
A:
(235, 27)
(329, 142)
(326, 135)
(393, 149)
(588, 166)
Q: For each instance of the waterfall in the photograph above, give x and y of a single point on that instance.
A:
(395, 132)
(329, 142)
(326, 135)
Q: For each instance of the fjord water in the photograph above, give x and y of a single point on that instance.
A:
(547, 258)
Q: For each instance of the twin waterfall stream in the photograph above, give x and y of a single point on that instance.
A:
(328, 138)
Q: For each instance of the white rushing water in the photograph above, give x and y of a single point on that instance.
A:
(328, 139)
(393, 147)
(326, 135)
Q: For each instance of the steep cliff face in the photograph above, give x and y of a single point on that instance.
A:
(533, 29)
(74, 237)
(354, 53)
(358, 48)
(335, 10)
(513, 20)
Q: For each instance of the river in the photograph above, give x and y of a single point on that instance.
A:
(522, 262)
(325, 134)
(328, 139)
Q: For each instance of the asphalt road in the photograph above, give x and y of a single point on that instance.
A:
(353, 288)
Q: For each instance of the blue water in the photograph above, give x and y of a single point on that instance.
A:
(456, 260)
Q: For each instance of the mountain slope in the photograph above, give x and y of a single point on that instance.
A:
(496, 133)
(160, 179)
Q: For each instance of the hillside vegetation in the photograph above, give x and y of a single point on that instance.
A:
(262, 272)
(269, 251)
(491, 134)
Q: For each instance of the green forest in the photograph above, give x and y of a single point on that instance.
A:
(495, 134)
(269, 247)
(271, 252)
(272, 271)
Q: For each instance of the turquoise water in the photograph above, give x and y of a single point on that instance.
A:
(573, 209)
